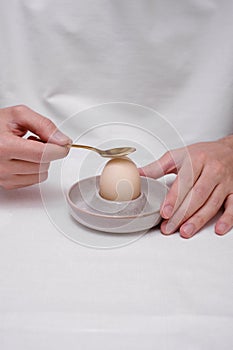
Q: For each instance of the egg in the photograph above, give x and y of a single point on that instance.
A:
(120, 180)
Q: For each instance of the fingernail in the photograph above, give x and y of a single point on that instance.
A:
(169, 228)
(222, 228)
(59, 136)
(188, 229)
(167, 211)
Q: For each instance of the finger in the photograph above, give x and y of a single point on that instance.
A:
(202, 216)
(25, 118)
(225, 222)
(167, 164)
(14, 147)
(34, 138)
(20, 167)
(195, 199)
(18, 181)
(183, 183)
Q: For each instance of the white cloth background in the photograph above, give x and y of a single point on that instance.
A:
(60, 57)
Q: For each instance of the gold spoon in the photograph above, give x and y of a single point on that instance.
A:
(108, 153)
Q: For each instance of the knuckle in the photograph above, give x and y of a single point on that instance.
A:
(201, 156)
(47, 124)
(217, 167)
(200, 220)
(19, 109)
(215, 203)
(199, 191)
(169, 158)
(168, 155)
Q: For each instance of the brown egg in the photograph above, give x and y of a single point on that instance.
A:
(120, 180)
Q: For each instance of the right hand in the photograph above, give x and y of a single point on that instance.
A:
(24, 162)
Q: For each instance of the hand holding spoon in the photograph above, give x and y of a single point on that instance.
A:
(108, 153)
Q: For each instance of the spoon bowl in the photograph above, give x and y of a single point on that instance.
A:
(108, 153)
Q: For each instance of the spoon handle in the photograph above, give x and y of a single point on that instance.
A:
(84, 146)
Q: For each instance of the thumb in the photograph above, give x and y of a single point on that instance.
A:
(165, 165)
(26, 118)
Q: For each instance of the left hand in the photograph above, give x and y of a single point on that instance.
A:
(203, 184)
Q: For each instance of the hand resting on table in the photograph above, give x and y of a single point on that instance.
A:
(204, 184)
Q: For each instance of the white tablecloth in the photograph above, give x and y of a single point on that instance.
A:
(157, 293)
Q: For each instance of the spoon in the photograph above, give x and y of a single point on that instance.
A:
(108, 153)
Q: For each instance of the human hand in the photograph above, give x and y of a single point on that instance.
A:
(24, 162)
(203, 184)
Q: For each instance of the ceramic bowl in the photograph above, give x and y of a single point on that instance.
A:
(90, 209)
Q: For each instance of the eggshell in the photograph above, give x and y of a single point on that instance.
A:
(120, 180)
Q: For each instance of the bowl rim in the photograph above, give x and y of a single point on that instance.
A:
(117, 217)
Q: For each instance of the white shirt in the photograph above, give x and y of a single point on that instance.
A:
(59, 57)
